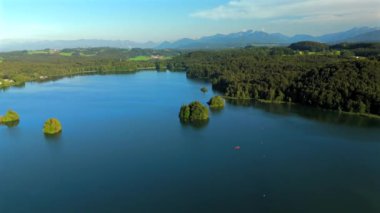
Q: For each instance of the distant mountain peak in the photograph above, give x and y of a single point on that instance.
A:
(259, 37)
(217, 41)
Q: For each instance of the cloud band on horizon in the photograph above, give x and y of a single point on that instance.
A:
(365, 10)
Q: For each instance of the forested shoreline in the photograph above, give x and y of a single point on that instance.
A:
(323, 79)
(344, 77)
(19, 67)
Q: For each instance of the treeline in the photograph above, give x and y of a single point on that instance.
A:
(359, 49)
(309, 46)
(23, 66)
(333, 82)
(279, 74)
(344, 49)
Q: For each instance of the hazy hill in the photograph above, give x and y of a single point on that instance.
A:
(373, 36)
(241, 39)
(218, 41)
(342, 36)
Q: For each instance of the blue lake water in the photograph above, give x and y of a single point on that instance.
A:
(123, 149)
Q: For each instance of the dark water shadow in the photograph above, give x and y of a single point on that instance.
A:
(19, 86)
(54, 142)
(237, 102)
(11, 124)
(198, 125)
(53, 138)
(198, 80)
(4, 89)
(310, 113)
(216, 110)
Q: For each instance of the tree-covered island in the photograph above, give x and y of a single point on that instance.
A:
(9, 117)
(216, 102)
(193, 112)
(52, 126)
(204, 89)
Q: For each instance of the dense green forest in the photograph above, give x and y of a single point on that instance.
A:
(309, 46)
(342, 77)
(327, 79)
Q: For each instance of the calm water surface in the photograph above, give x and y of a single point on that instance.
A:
(123, 149)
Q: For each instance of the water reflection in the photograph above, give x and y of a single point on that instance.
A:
(4, 89)
(238, 102)
(53, 138)
(10, 124)
(325, 116)
(195, 124)
(216, 110)
(88, 73)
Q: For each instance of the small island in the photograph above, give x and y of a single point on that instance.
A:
(9, 117)
(216, 102)
(204, 89)
(52, 126)
(193, 112)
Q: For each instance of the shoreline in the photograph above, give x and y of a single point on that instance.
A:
(366, 115)
(94, 72)
(84, 73)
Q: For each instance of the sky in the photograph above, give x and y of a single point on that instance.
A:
(160, 20)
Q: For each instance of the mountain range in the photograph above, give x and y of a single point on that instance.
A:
(239, 39)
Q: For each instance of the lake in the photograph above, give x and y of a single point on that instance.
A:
(123, 149)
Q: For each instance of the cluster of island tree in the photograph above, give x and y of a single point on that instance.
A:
(343, 77)
(204, 89)
(193, 112)
(216, 102)
(196, 112)
(51, 127)
(11, 118)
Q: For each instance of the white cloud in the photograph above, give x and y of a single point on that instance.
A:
(294, 10)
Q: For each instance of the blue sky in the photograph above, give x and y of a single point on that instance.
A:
(158, 20)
